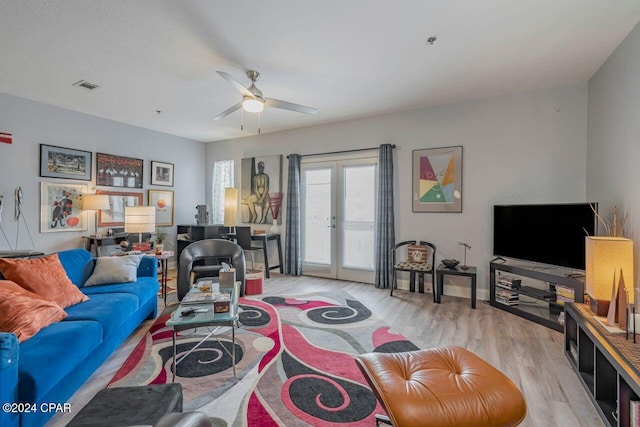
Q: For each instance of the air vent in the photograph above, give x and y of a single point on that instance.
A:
(85, 85)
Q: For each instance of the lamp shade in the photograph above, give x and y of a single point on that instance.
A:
(606, 256)
(139, 219)
(230, 207)
(95, 202)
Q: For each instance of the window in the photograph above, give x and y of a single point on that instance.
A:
(222, 178)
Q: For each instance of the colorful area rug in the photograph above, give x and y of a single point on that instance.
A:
(294, 363)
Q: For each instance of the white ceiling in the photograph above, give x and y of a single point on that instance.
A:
(347, 58)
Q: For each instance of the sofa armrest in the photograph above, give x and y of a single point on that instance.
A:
(148, 267)
(8, 376)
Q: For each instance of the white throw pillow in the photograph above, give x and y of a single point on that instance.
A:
(114, 269)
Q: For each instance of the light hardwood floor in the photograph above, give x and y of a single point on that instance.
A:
(530, 354)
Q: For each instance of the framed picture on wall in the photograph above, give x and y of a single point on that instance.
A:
(118, 171)
(261, 176)
(65, 163)
(118, 200)
(61, 207)
(163, 201)
(161, 173)
(437, 180)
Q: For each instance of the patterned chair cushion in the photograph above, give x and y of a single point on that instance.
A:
(417, 253)
(413, 266)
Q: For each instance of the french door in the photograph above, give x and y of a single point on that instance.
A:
(338, 212)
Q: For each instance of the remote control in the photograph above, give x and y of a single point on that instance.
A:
(188, 312)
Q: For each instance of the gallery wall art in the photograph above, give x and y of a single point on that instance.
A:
(118, 200)
(161, 173)
(65, 163)
(61, 207)
(118, 171)
(260, 176)
(163, 202)
(437, 180)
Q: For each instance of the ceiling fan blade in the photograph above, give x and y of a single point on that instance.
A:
(228, 111)
(243, 90)
(270, 102)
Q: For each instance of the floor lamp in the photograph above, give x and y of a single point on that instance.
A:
(230, 207)
(95, 202)
(139, 219)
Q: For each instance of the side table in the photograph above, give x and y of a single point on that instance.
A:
(163, 259)
(443, 270)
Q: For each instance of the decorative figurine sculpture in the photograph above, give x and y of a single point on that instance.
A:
(464, 265)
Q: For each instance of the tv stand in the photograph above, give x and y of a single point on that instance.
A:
(499, 258)
(536, 295)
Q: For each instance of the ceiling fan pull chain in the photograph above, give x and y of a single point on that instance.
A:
(242, 119)
(259, 122)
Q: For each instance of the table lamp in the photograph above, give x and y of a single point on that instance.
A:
(95, 202)
(139, 219)
(606, 257)
(230, 207)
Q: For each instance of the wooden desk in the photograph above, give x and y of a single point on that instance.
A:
(91, 242)
(265, 238)
(443, 270)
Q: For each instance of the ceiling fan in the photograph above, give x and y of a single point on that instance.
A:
(253, 101)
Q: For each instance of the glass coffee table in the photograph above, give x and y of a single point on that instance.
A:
(204, 316)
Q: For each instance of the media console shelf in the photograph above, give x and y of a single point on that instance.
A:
(535, 293)
(607, 364)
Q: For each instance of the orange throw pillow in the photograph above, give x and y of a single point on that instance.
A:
(44, 277)
(25, 313)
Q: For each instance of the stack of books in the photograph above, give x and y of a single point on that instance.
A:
(565, 294)
(635, 413)
(506, 297)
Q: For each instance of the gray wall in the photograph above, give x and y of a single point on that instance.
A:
(33, 123)
(613, 150)
(528, 147)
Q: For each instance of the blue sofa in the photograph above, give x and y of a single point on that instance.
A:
(53, 364)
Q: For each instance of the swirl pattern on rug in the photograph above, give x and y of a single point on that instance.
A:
(294, 360)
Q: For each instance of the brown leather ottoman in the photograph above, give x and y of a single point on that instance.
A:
(442, 387)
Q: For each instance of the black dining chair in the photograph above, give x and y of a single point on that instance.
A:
(420, 260)
(243, 238)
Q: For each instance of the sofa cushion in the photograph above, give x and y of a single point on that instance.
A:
(110, 310)
(51, 354)
(78, 263)
(144, 287)
(25, 313)
(43, 276)
(114, 269)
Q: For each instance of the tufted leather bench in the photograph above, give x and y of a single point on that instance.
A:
(442, 387)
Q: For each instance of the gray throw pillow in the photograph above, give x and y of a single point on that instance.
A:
(114, 269)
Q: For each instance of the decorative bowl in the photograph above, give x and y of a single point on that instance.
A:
(450, 263)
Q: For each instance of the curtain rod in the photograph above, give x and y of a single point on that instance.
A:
(343, 151)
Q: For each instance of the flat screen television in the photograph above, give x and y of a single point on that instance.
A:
(550, 234)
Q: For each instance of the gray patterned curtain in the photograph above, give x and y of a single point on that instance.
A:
(293, 239)
(385, 235)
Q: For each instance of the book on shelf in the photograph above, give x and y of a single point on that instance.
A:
(507, 301)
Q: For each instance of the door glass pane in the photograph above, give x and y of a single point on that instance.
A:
(358, 212)
(317, 216)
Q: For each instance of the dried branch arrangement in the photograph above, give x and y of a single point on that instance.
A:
(617, 226)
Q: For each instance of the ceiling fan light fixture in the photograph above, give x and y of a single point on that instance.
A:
(252, 105)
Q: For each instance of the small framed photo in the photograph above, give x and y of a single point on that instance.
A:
(437, 180)
(65, 163)
(161, 173)
(61, 207)
(118, 200)
(163, 201)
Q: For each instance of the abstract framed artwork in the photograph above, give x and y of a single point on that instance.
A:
(163, 202)
(61, 207)
(437, 180)
(65, 163)
(118, 200)
(118, 171)
(261, 176)
(161, 173)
